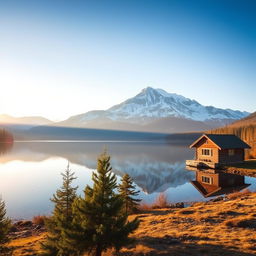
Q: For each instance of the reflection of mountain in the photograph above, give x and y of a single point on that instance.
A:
(155, 176)
(153, 166)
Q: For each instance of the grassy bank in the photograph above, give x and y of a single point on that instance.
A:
(246, 168)
(225, 227)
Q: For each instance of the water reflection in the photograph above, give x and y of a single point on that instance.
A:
(211, 182)
(153, 166)
(30, 171)
(5, 148)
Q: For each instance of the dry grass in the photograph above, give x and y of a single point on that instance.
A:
(26, 246)
(212, 228)
(242, 222)
(239, 194)
(39, 220)
(144, 207)
(160, 202)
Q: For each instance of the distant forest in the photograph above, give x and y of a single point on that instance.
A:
(5, 136)
(246, 130)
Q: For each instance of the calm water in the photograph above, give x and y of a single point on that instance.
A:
(30, 171)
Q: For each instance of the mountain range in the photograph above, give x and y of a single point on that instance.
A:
(152, 110)
(155, 110)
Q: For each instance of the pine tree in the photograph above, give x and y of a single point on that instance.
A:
(5, 224)
(61, 220)
(128, 192)
(98, 217)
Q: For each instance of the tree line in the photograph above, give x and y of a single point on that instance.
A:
(5, 136)
(92, 223)
(246, 133)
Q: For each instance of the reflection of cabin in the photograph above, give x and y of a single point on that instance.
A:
(212, 183)
(213, 150)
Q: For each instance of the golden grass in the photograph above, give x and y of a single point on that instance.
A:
(26, 246)
(237, 194)
(211, 228)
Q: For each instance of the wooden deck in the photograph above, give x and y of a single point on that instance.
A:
(202, 164)
(247, 168)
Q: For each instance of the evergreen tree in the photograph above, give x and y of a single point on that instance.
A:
(61, 220)
(5, 224)
(99, 222)
(128, 192)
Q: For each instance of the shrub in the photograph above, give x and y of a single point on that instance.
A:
(161, 201)
(39, 220)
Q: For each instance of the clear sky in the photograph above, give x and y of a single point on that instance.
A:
(61, 58)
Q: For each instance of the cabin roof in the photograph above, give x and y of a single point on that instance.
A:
(223, 141)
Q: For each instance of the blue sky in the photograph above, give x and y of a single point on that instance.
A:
(60, 58)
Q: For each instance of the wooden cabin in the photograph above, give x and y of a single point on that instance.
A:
(214, 150)
(213, 183)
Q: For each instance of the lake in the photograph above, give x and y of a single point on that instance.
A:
(30, 171)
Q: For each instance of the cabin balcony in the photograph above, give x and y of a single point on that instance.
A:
(202, 164)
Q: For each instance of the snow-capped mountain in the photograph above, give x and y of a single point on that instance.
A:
(157, 103)
(158, 107)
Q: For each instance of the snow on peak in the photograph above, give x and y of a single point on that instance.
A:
(151, 104)
(157, 103)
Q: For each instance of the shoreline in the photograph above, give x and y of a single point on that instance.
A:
(216, 227)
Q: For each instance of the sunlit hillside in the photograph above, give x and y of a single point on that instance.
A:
(246, 130)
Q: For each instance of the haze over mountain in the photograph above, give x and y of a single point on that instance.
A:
(244, 128)
(156, 110)
(152, 110)
(27, 120)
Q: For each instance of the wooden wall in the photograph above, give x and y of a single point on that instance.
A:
(207, 144)
(224, 156)
(221, 179)
(218, 156)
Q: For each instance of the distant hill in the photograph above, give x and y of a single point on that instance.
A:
(28, 120)
(245, 129)
(249, 120)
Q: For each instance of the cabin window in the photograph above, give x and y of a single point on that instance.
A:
(207, 180)
(206, 152)
(231, 152)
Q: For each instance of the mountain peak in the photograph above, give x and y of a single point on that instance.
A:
(161, 92)
(150, 90)
(153, 104)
